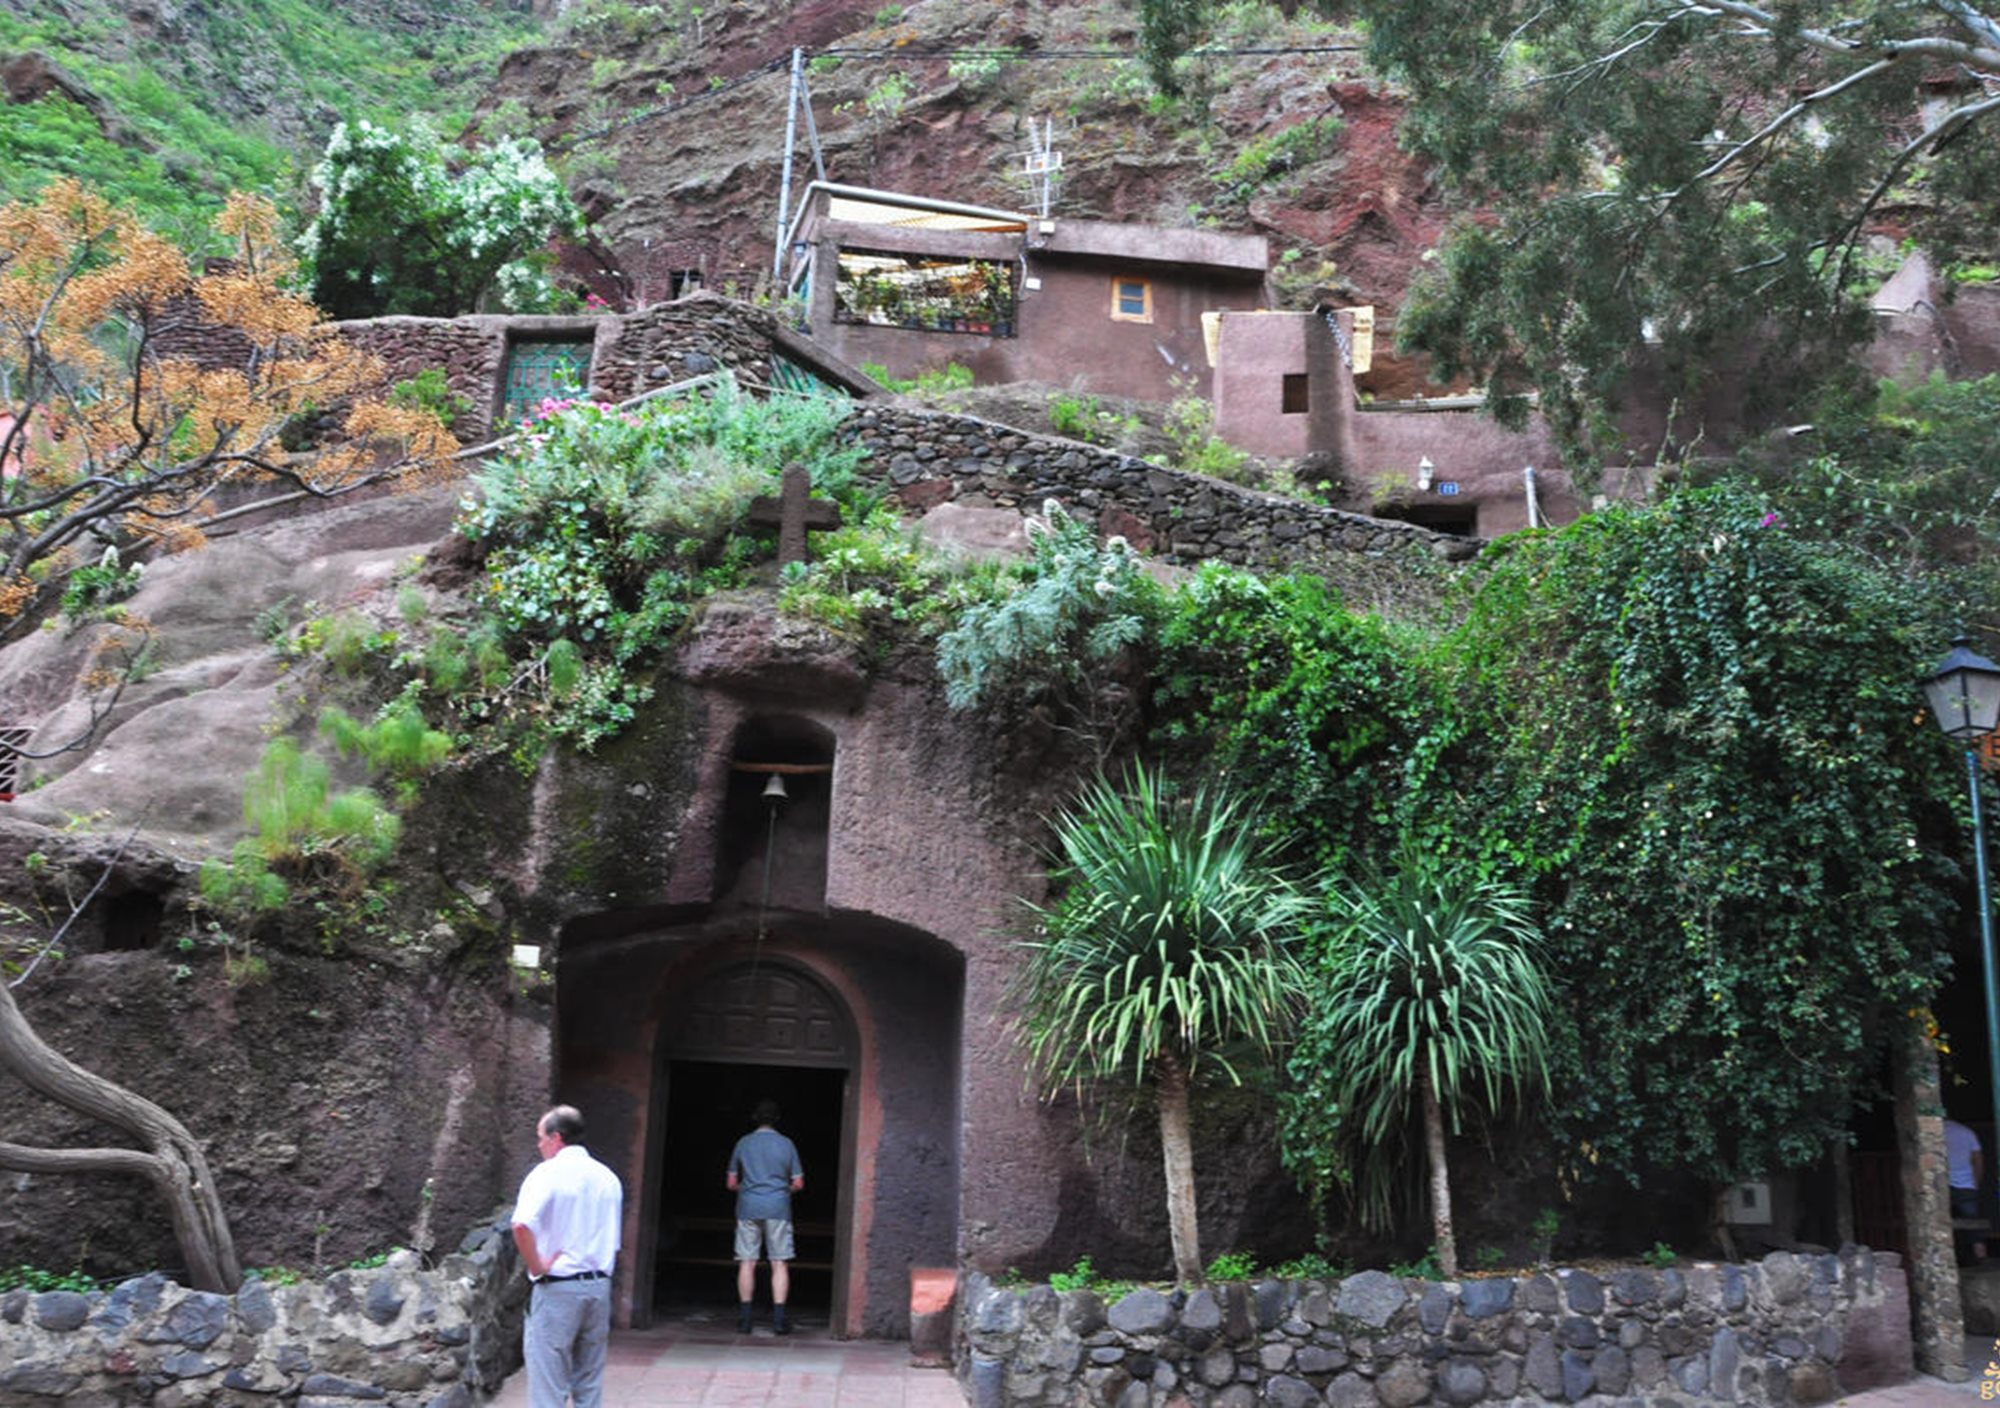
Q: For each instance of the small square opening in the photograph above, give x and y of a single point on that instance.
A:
(1131, 301)
(1297, 398)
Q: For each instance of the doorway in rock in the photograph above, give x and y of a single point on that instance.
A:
(708, 1106)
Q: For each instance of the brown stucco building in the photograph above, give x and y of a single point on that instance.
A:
(907, 282)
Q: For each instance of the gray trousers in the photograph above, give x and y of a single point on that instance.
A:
(569, 1326)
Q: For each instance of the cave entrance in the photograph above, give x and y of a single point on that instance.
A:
(748, 1032)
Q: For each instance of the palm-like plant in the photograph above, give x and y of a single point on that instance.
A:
(1170, 950)
(1429, 990)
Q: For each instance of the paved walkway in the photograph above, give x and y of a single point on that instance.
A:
(706, 1364)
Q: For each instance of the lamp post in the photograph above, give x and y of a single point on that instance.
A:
(1964, 694)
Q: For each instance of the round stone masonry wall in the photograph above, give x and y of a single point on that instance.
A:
(393, 1336)
(1790, 1329)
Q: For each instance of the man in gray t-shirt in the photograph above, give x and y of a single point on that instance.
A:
(764, 1172)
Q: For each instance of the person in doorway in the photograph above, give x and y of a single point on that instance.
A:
(764, 1172)
(1965, 1165)
(567, 1223)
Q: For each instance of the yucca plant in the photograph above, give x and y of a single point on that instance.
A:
(1428, 992)
(1169, 952)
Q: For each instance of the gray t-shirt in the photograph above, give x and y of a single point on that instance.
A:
(765, 1163)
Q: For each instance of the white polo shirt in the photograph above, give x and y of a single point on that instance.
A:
(574, 1206)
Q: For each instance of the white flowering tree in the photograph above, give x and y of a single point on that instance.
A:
(411, 224)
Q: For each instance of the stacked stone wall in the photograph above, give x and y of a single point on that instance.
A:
(926, 458)
(395, 1336)
(469, 351)
(1788, 1330)
(671, 342)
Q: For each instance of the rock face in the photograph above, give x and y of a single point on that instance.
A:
(365, 1068)
(1373, 1341)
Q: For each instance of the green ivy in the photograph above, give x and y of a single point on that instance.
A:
(1325, 711)
(1700, 733)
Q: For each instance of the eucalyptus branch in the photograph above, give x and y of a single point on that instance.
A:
(1934, 136)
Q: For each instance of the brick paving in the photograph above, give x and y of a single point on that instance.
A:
(706, 1364)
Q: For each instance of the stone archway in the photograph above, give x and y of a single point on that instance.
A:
(765, 1028)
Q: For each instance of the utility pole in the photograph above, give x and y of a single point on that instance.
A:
(778, 244)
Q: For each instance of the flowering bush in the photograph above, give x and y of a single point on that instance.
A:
(410, 224)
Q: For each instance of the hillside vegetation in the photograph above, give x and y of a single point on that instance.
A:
(166, 109)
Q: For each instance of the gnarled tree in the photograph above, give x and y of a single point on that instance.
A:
(137, 394)
(170, 1158)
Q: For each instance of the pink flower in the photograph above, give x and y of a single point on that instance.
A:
(1770, 520)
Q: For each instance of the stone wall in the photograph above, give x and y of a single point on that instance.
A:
(925, 459)
(1787, 1330)
(395, 1336)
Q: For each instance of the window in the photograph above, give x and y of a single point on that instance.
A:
(933, 293)
(539, 369)
(1131, 301)
(1297, 398)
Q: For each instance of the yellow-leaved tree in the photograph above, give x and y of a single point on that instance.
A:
(142, 402)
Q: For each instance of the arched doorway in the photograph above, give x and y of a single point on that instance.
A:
(750, 1031)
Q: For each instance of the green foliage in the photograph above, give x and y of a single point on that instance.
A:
(300, 827)
(429, 391)
(601, 529)
(1488, 1258)
(1264, 158)
(1172, 938)
(1077, 1278)
(1428, 988)
(1699, 731)
(1232, 1266)
(1310, 1267)
(1081, 418)
(877, 578)
(33, 1278)
(1190, 427)
(1660, 1256)
(1654, 173)
(1424, 1268)
(174, 141)
(410, 224)
(1302, 698)
(1055, 624)
(1902, 474)
(930, 381)
(1084, 1277)
(398, 742)
(92, 590)
(1543, 1230)
(274, 1275)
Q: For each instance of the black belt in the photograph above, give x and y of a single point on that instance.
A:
(573, 1276)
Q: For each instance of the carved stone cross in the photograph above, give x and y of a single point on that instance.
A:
(793, 511)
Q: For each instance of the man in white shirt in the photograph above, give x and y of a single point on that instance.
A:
(566, 1226)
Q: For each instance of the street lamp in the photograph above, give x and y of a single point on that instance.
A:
(1964, 693)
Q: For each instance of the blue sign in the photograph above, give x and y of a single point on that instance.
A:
(1448, 487)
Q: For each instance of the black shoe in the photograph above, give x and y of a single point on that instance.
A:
(779, 1324)
(743, 1318)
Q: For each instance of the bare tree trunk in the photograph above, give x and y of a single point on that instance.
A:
(171, 1159)
(1447, 1240)
(1177, 1153)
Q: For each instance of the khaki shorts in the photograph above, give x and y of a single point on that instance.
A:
(774, 1234)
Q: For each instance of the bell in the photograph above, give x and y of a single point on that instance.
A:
(774, 790)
